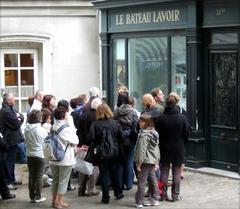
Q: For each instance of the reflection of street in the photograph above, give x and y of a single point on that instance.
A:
(197, 191)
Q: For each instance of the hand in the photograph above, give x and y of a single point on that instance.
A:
(156, 167)
(138, 168)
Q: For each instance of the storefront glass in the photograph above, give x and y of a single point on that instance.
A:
(178, 68)
(147, 64)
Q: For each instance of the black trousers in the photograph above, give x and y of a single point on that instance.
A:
(35, 184)
(4, 191)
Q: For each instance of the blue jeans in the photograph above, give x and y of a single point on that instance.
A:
(128, 174)
(108, 175)
(22, 152)
(10, 160)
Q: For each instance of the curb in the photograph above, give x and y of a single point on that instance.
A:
(214, 172)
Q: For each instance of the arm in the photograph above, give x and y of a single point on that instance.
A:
(140, 150)
(12, 120)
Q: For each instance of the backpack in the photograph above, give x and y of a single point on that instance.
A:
(52, 147)
(107, 150)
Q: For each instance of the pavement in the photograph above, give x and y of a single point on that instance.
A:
(199, 190)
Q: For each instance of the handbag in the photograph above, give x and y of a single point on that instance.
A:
(83, 166)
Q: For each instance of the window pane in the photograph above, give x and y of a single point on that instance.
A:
(11, 77)
(27, 91)
(224, 38)
(178, 68)
(12, 89)
(26, 60)
(10, 60)
(24, 106)
(27, 77)
(147, 66)
(119, 68)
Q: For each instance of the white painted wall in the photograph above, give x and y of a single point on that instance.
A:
(73, 30)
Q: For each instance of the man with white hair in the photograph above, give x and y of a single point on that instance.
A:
(37, 102)
(10, 127)
(94, 92)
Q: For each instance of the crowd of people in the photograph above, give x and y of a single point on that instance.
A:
(121, 144)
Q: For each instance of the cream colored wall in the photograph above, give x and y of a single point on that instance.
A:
(73, 29)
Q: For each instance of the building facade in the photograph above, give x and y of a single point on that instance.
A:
(49, 45)
(191, 47)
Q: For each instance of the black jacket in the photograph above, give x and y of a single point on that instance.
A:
(95, 136)
(10, 125)
(173, 134)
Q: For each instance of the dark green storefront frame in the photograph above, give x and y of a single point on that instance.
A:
(194, 23)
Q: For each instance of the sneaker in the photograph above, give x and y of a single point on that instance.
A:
(40, 200)
(11, 187)
(32, 201)
(17, 183)
(139, 205)
(176, 198)
(151, 203)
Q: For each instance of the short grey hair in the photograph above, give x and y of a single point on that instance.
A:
(5, 97)
(94, 91)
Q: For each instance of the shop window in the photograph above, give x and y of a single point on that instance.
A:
(178, 68)
(147, 58)
(18, 76)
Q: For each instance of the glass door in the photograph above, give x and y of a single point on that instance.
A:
(18, 75)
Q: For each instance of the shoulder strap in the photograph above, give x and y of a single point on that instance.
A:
(61, 128)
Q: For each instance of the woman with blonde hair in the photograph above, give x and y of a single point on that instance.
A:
(150, 107)
(105, 128)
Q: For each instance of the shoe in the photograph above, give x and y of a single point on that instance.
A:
(118, 197)
(9, 196)
(17, 183)
(80, 193)
(139, 205)
(71, 188)
(11, 187)
(105, 201)
(176, 198)
(151, 202)
(127, 188)
(32, 201)
(40, 200)
(92, 194)
(165, 198)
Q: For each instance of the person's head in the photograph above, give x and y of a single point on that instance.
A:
(148, 101)
(83, 98)
(48, 102)
(103, 112)
(171, 102)
(146, 121)
(122, 89)
(94, 92)
(64, 104)
(39, 95)
(177, 97)
(46, 117)
(35, 116)
(158, 95)
(9, 99)
(123, 98)
(95, 103)
(59, 113)
(74, 103)
(30, 100)
(132, 101)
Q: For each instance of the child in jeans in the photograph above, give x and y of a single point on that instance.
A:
(147, 156)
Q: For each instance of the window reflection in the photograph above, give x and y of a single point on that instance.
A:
(27, 77)
(10, 60)
(26, 60)
(224, 38)
(147, 66)
(11, 77)
(178, 68)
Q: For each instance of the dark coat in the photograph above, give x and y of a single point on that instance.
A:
(10, 125)
(86, 121)
(173, 134)
(96, 132)
(127, 116)
(3, 150)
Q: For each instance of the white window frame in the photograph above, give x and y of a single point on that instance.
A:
(35, 69)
